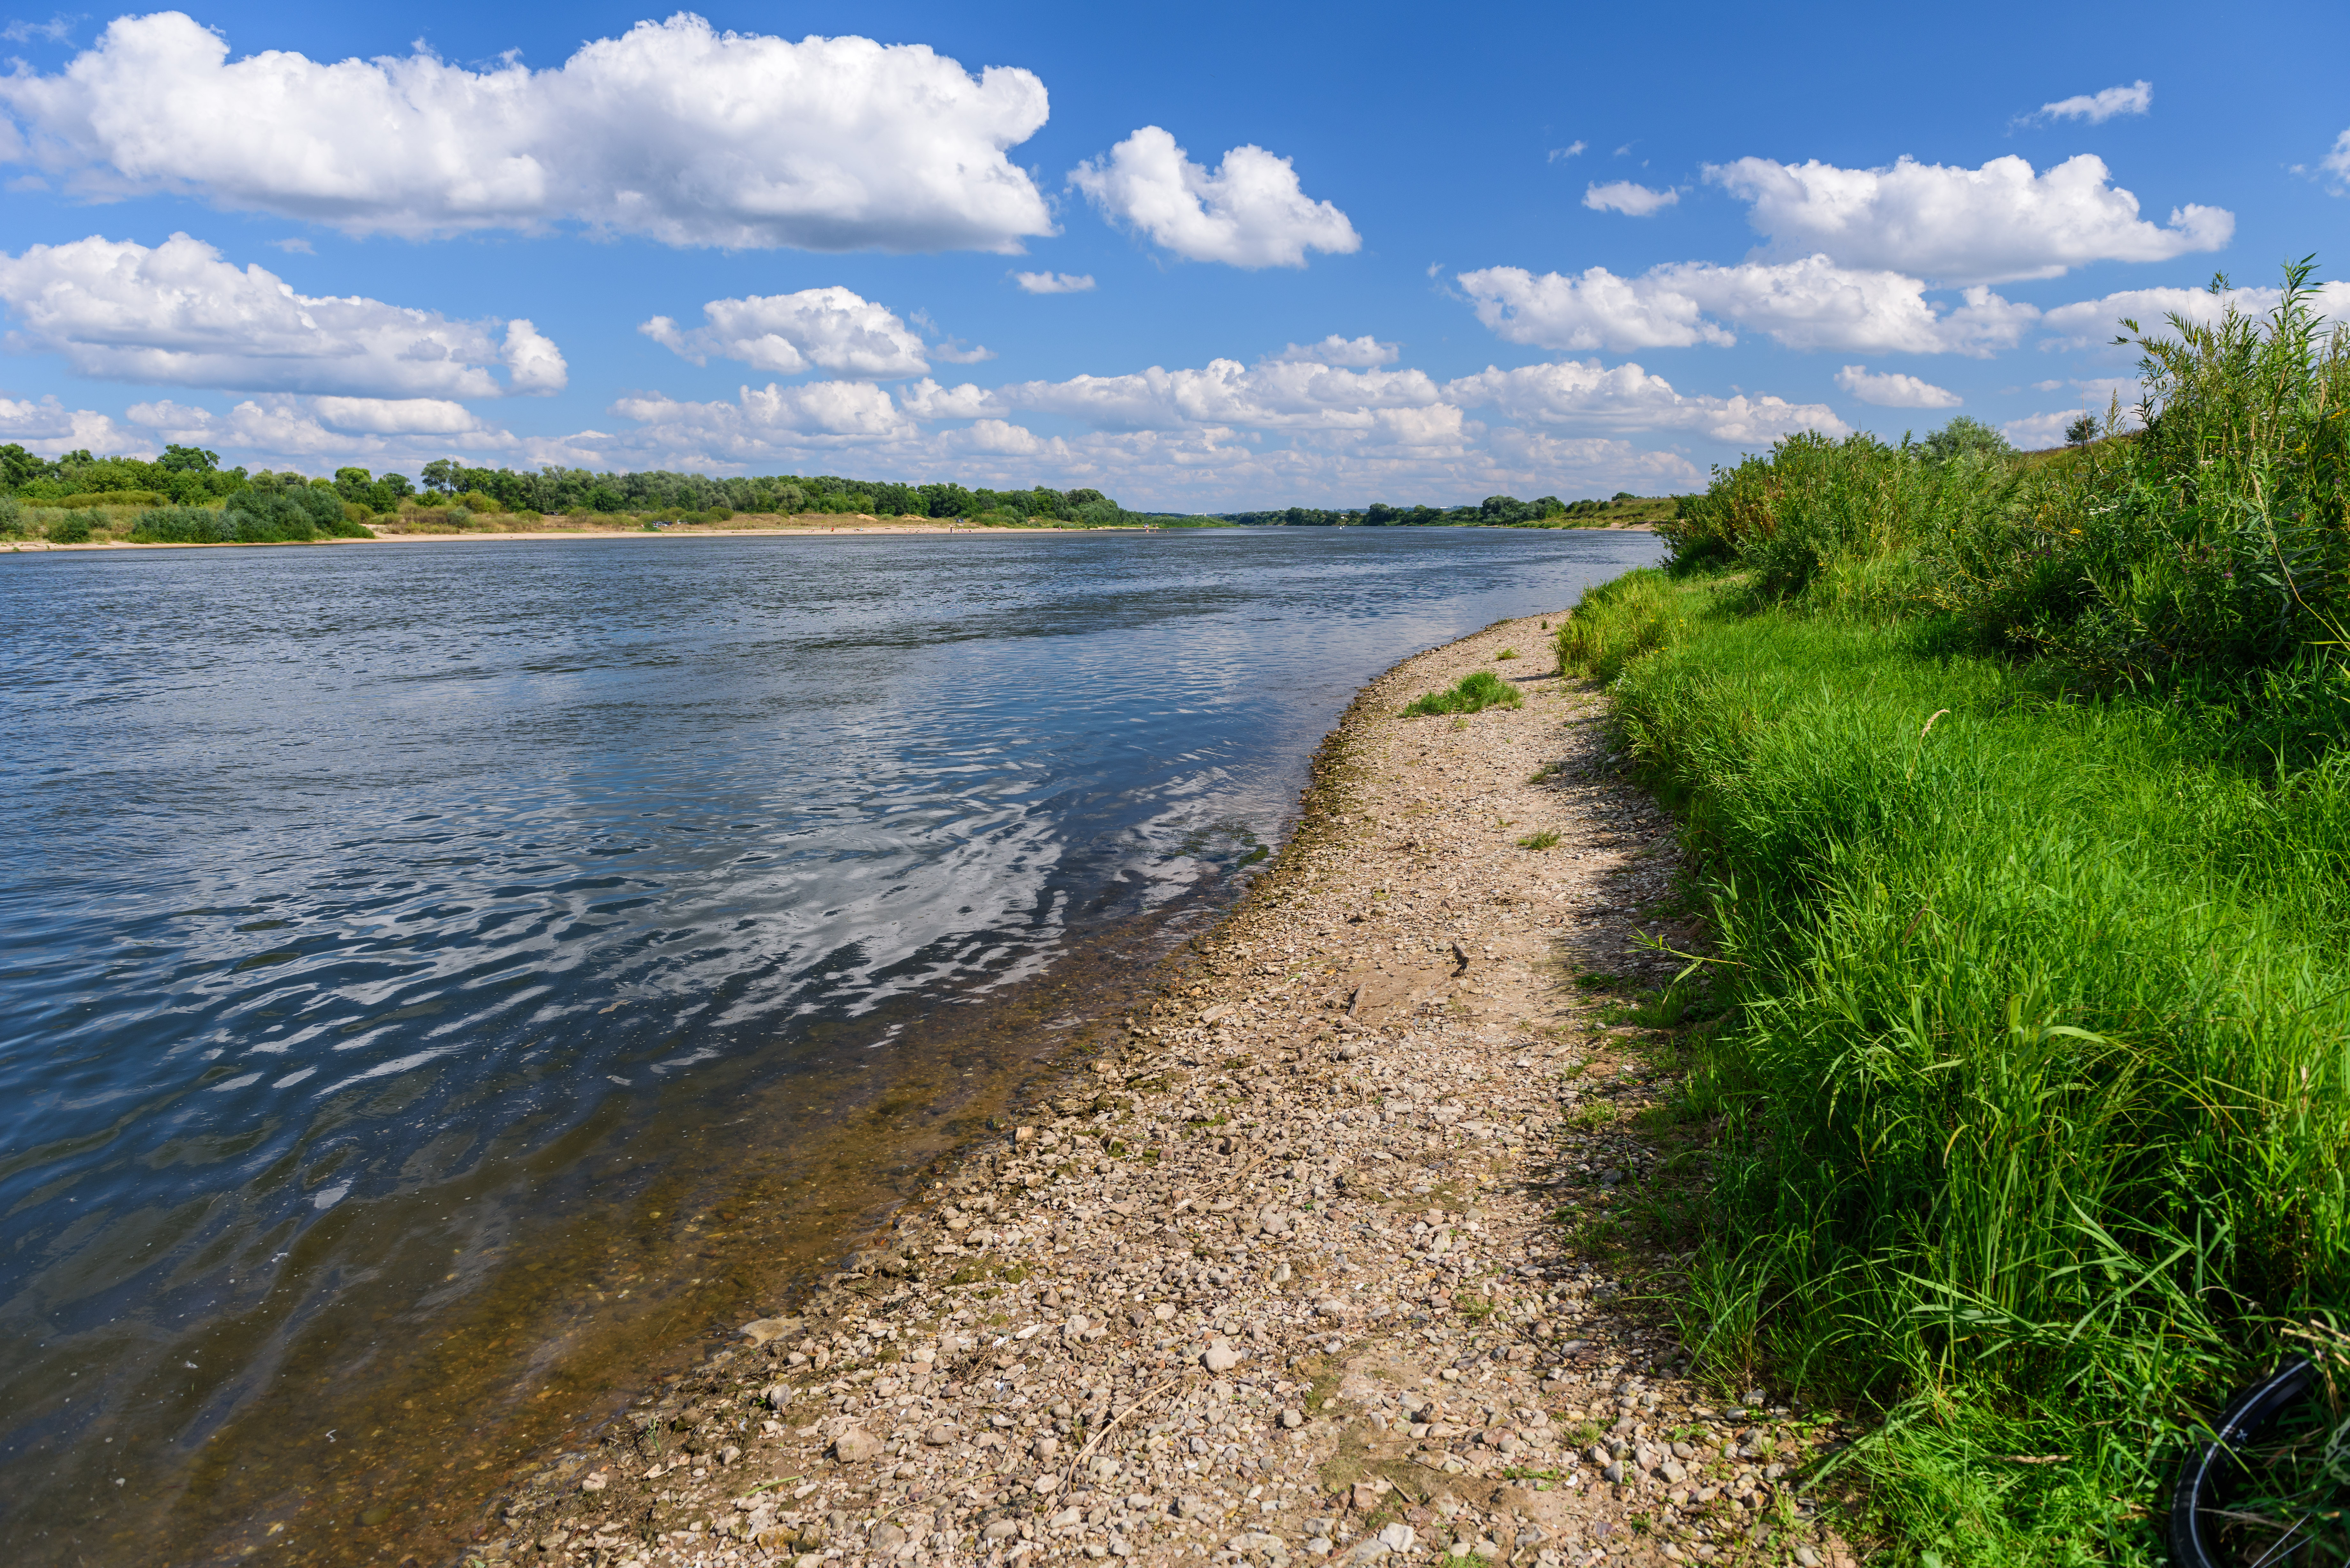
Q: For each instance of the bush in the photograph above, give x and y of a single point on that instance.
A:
(285, 516)
(113, 498)
(12, 516)
(71, 528)
(185, 526)
(1475, 693)
(2214, 541)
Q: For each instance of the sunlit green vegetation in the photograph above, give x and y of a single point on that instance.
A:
(2018, 796)
(1493, 512)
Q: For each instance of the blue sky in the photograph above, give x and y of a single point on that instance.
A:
(1285, 254)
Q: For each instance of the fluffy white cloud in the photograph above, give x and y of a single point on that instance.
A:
(328, 433)
(1274, 396)
(534, 364)
(396, 416)
(817, 416)
(1807, 303)
(2094, 323)
(2337, 163)
(2098, 108)
(179, 315)
(1594, 309)
(49, 428)
(1054, 282)
(1891, 389)
(1632, 201)
(1250, 213)
(1582, 394)
(831, 329)
(672, 130)
(1961, 225)
(1363, 353)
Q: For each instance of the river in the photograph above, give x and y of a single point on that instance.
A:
(442, 978)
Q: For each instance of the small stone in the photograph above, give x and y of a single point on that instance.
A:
(1613, 1473)
(940, 1434)
(1292, 1419)
(766, 1328)
(855, 1446)
(1807, 1557)
(1002, 1530)
(1398, 1537)
(1220, 1356)
(887, 1538)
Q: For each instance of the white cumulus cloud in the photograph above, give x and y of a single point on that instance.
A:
(1582, 394)
(1892, 389)
(328, 432)
(1273, 396)
(818, 415)
(1807, 303)
(832, 329)
(2098, 108)
(50, 429)
(2336, 163)
(1631, 200)
(178, 315)
(1054, 282)
(674, 131)
(1960, 226)
(1363, 353)
(1250, 213)
(2093, 323)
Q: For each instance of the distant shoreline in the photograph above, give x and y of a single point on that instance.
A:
(848, 527)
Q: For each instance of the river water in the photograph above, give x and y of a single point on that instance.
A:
(441, 976)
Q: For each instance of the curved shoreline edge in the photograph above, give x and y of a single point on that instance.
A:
(1277, 1268)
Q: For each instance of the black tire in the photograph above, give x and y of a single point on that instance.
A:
(2210, 1471)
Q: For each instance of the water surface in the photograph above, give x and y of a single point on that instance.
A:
(436, 972)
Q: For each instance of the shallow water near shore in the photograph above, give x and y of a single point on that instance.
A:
(438, 979)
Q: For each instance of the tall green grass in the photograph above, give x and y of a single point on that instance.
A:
(1475, 692)
(2017, 791)
(2034, 1101)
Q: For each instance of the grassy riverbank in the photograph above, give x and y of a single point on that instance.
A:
(2023, 819)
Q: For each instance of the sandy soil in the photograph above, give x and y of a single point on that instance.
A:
(1321, 1259)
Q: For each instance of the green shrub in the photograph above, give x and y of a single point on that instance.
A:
(113, 498)
(284, 517)
(185, 526)
(67, 528)
(1474, 694)
(2215, 540)
(12, 516)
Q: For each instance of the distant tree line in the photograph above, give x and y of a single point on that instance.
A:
(191, 476)
(1495, 511)
(555, 488)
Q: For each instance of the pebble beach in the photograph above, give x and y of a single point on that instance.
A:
(1332, 1251)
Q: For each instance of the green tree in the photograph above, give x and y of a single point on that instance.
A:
(1963, 436)
(187, 459)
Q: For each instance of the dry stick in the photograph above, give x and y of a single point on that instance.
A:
(1111, 1423)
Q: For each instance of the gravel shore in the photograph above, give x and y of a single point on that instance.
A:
(1334, 1254)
